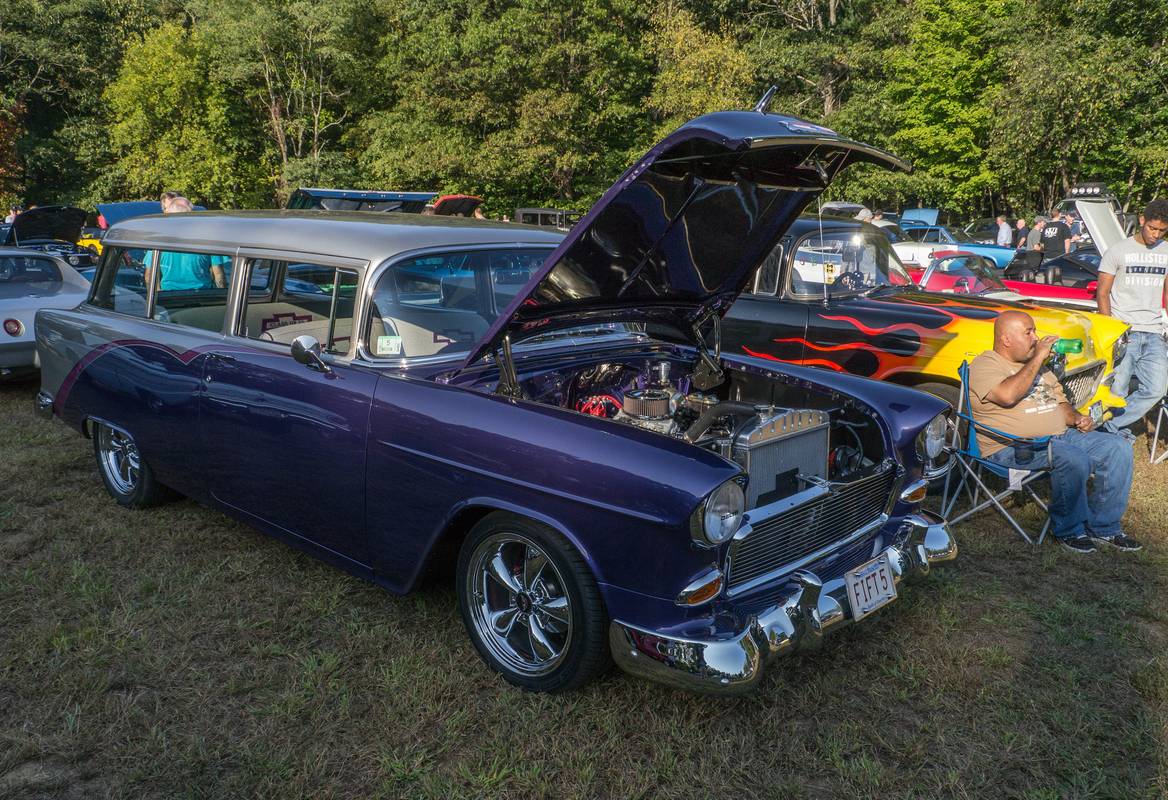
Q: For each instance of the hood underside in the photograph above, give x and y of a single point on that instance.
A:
(56, 223)
(681, 232)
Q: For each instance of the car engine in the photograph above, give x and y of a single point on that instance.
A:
(783, 449)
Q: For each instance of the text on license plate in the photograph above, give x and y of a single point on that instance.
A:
(870, 586)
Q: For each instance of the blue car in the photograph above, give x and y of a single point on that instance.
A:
(550, 414)
(924, 240)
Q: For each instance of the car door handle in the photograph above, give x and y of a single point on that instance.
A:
(221, 357)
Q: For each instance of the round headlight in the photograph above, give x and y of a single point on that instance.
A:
(74, 261)
(930, 445)
(722, 513)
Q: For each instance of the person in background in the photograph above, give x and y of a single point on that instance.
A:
(1132, 288)
(1005, 236)
(13, 213)
(864, 215)
(1056, 238)
(1012, 390)
(1021, 231)
(187, 270)
(1034, 245)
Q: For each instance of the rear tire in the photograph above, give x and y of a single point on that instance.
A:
(531, 605)
(128, 479)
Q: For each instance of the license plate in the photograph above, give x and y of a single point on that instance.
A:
(869, 587)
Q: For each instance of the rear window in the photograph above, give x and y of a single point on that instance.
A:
(20, 270)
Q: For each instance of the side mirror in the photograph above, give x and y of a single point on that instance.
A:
(306, 351)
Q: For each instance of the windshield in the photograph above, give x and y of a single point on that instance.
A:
(961, 275)
(846, 262)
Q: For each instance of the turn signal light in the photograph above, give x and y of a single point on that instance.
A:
(915, 493)
(13, 327)
(702, 590)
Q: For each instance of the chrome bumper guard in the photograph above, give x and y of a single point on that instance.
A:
(736, 665)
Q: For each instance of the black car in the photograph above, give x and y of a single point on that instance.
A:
(1077, 269)
(51, 229)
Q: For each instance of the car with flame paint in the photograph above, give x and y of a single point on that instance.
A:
(609, 485)
(833, 294)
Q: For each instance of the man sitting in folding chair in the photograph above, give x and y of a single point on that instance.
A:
(1011, 391)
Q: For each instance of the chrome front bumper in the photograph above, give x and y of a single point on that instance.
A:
(736, 664)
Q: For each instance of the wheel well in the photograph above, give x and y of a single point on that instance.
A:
(443, 556)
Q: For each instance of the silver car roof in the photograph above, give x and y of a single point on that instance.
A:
(356, 235)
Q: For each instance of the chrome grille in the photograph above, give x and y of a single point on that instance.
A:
(1080, 386)
(805, 529)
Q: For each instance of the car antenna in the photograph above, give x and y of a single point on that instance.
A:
(762, 105)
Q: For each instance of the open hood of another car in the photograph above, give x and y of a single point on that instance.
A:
(58, 223)
(1101, 221)
(682, 231)
(928, 216)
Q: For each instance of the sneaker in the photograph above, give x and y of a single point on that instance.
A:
(1119, 542)
(1078, 544)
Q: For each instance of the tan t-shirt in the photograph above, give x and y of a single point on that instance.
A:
(1036, 414)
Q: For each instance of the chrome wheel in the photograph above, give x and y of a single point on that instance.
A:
(518, 604)
(119, 459)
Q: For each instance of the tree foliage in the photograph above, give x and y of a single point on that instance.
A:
(1000, 105)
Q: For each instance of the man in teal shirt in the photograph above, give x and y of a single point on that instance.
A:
(190, 270)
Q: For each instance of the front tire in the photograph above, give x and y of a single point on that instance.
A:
(531, 605)
(127, 477)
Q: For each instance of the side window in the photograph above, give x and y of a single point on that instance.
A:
(119, 283)
(932, 236)
(766, 279)
(190, 288)
(286, 299)
(22, 270)
(441, 304)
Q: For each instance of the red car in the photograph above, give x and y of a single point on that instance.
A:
(958, 272)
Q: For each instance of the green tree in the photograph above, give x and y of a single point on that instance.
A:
(526, 102)
(175, 128)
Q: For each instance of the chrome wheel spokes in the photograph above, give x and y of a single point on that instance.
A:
(518, 605)
(119, 459)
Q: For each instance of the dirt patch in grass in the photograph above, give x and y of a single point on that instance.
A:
(176, 653)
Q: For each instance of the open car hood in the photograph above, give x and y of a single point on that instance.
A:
(926, 215)
(682, 231)
(1101, 222)
(58, 223)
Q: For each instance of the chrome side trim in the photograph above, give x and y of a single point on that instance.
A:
(736, 663)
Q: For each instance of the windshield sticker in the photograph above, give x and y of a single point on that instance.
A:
(389, 345)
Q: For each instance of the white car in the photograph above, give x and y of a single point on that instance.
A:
(29, 281)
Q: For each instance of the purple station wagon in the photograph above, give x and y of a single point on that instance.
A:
(551, 412)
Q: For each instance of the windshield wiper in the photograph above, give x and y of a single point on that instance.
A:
(884, 288)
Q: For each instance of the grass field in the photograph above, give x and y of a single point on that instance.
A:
(175, 653)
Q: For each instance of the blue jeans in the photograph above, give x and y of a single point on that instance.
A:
(1077, 456)
(1147, 361)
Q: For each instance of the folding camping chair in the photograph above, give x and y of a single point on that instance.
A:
(972, 470)
(1161, 413)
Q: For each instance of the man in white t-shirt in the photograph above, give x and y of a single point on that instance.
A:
(1132, 288)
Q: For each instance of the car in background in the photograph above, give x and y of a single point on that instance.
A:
(547, 217)
(30, 281)
(958, 272)
(833, 294)
(924, 240)
(51, 229)
(614, 486)
(359, 200)
(983, 230)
